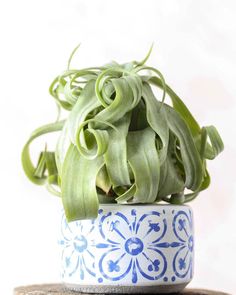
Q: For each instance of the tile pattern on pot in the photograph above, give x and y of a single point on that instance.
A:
(130, 247)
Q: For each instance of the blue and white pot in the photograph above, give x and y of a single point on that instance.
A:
(129, 249)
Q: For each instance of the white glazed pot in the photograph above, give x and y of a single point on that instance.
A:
(129, 249)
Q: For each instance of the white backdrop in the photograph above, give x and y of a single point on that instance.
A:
(195, 49)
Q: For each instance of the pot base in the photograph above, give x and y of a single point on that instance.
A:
(106, 289)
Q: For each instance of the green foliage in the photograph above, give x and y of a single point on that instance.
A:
(120, 143)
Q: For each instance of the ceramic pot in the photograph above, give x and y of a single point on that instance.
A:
(129, 249)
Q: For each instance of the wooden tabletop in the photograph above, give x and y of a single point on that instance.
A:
(59, 289)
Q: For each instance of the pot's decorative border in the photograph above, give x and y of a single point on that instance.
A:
(133, 246)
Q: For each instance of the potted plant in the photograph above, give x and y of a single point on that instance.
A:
(125, 164)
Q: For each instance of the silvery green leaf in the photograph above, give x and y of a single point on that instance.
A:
(78, 185)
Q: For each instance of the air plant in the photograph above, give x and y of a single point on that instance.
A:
(119, 143)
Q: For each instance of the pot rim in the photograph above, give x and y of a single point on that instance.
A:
(145, 205)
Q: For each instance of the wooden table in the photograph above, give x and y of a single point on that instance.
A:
(59, 289)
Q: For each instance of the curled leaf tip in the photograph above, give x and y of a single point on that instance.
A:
(142, 62)
(72, 55)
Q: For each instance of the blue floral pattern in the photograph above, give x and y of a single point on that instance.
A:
(129, 245)
(183, 259)
(77, 253)
(128, 241)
